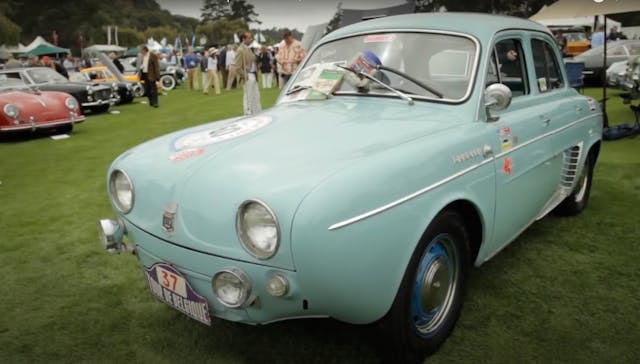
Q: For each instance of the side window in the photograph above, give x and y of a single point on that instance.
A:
(548, 73)
(508, 67)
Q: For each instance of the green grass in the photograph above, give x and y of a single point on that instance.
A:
(565, 291)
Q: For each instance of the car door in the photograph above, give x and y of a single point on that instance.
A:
(522, 156)
(564, 110)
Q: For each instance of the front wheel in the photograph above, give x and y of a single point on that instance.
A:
(430, 297)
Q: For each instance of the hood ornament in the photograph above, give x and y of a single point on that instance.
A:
(169, 217)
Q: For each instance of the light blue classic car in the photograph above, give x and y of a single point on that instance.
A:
(403, 151)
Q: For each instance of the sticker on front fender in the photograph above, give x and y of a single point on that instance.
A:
(170, 287)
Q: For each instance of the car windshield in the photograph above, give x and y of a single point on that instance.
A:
(10, 80)
(575, 37)
(44, 75)
(421, 65)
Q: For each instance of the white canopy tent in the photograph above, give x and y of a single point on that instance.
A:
(578, 8)
(580, 21)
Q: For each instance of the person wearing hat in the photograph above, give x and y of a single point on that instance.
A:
(212, 72)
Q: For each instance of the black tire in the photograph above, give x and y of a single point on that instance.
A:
(168, 82)
(579, 198)
(425, 311)
(100, 109)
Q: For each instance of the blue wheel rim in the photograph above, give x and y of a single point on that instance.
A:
(434, 285)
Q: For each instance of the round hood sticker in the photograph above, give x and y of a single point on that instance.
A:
(220, 134)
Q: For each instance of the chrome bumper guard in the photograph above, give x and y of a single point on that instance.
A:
(112, 236)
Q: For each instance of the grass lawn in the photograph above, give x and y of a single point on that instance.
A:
(566, 291)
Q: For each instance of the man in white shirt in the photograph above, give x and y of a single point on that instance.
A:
(233, 75)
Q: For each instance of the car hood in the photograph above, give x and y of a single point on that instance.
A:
(44, 106)
(277, 157)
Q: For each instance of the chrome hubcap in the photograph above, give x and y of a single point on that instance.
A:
(435, 285)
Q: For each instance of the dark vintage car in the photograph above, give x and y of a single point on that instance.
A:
(91, 97)
(29, 110)
(125, 89)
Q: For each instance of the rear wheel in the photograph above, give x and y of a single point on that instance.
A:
(579, 198)
(168, 82)
(430, 297)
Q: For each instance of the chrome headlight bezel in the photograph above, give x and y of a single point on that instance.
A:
(119, 200)
(11, 111)
(245, 238)
(241, 280)
(71, 103)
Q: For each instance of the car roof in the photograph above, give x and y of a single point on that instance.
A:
(482, 26)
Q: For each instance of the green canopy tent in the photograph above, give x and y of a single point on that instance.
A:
(44, 49)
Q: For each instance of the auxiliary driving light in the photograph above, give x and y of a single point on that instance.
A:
(111, 235)
(278, 285)
(231, 287)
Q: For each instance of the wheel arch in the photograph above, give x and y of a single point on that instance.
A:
(472, 221)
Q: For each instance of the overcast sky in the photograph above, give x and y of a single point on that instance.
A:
(284, 13)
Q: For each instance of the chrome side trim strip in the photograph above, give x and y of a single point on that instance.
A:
(426, 189)
(550, 133)
(409, 197)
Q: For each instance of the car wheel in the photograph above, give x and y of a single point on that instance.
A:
(578, 199)
(168, 82)
(430, 297)
(138, 90)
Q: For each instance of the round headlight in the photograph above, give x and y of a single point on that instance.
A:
(71, 103)
(11, 110)
(232, 287)
(121, 191)
(258, 229)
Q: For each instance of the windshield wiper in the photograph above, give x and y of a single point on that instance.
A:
(408, 77)
(297, 88)
(400, 94)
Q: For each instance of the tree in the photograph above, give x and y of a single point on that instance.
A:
(521, 8)
(9, 31)
(334, 23)
(221, 31)
(157, 33)
(213, 10)
(129, 37)
(241, 10)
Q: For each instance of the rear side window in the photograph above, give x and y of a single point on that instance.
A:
(548, 74)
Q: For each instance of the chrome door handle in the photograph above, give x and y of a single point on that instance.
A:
(546, 120)
(579, 108)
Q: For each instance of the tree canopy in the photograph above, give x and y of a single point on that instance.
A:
(213, 10)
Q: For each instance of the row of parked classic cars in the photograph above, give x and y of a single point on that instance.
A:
(37, 98)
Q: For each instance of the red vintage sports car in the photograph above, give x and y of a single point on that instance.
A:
(34, 110)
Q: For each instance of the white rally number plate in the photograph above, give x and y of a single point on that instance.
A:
(170, 287)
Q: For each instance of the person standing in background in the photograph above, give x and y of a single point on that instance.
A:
(597, 38)
(289, 55)
(149, 74)
(266, 67)
(246, 67)
(222, 65)
(203, 71)
(212, 71)
(191, 63)
(231, 71)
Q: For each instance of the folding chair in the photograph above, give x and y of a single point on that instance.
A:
(574, 73)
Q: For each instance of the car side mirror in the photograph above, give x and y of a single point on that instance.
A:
(497, 97)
